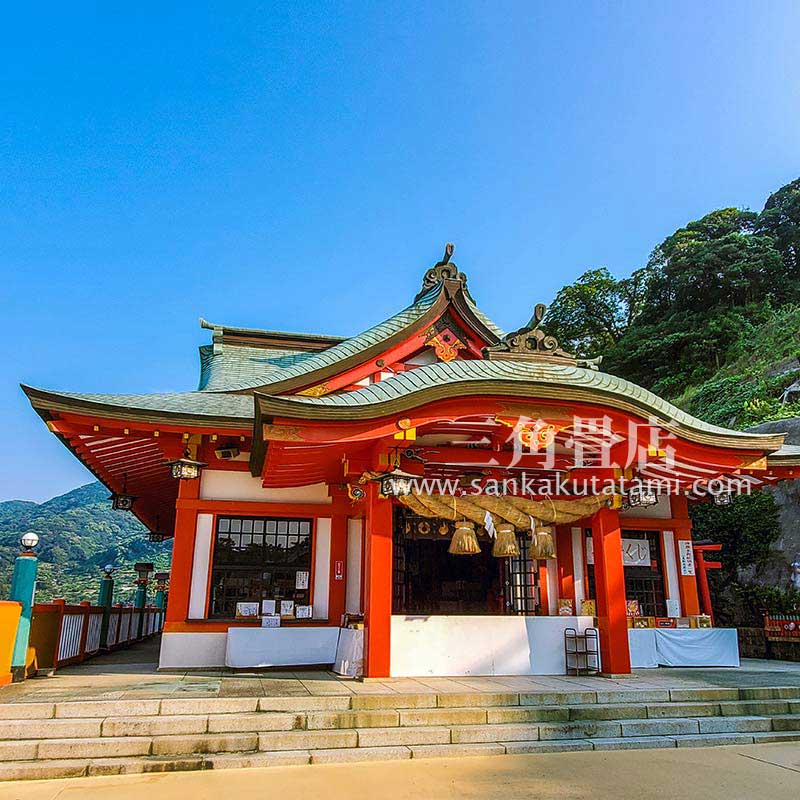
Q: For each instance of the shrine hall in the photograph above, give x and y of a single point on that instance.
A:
(431, 497)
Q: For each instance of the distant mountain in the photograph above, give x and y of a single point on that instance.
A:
(79, 533)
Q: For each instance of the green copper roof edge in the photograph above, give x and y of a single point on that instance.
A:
(323, 337)
(46, 400)
(517, 379)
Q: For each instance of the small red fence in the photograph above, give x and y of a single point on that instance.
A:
(782, 627)
(66, 634)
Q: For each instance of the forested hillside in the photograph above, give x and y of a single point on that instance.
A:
(712, 323)
(79, 533)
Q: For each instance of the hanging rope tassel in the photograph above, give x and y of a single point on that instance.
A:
(542, 544)
(505, 543)
(464, 541)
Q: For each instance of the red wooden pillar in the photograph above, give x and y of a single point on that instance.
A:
(690, 602)
(566, 570)
(609, 580)
(377, 585)
(180, 574)
(544, 593)
(338, 572)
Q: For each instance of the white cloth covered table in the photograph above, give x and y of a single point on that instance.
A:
(642, 642)
(683, 647)
(280, 647)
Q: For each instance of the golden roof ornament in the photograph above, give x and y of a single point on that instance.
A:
(444, 270)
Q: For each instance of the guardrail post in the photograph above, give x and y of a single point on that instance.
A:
(105, 598)
(23, 587)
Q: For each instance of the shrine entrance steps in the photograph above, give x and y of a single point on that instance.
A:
(71, 739)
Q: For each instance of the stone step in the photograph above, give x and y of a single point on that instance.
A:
(619, 700)
(613, 720)
(145, 737)
(98, 764)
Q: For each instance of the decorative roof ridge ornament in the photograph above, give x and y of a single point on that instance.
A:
(530, 343)
(443, 270)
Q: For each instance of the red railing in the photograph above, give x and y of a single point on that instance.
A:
(66, 634)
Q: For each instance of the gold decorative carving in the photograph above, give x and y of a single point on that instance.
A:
(283, 433)
(320, 390)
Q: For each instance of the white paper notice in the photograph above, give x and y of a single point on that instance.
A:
(271, 621)
(301, 579)
(686, 556)
(287, 608)
(267, 606)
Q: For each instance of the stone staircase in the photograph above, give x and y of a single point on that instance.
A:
(71, 739)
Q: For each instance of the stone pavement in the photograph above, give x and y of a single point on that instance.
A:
(724, 773)
(132, 673)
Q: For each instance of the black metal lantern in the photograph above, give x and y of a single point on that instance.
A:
(723, 498)
(161, 578)
(186, 468)
(122, 501)
(397, 483)
(157, 535)
(641, 497)
(143, 570)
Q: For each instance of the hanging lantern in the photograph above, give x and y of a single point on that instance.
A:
(186, 468)
(122, 501)
(542, 545)
(641, 497)
(157, 535)
(723, 498)
(397, 483)
(505, 542)
(464, 541)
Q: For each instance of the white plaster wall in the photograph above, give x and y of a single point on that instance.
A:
(198, 590)
(181, 650)
(577, 567)
(220, 484)
(352, 600)
(461, 646)
(673, 591)
(322, 568)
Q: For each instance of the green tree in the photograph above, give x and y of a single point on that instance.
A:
(781, 220)
(592, 314)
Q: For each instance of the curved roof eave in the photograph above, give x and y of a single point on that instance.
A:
(189, 408)
(517, 379)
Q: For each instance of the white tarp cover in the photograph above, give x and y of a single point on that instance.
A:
(683, 647)
(280, 647)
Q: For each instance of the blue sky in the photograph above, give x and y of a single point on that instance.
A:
(298, 166)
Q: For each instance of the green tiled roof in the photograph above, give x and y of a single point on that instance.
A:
(539, 379)
(499, 332)
(182, 404)
(233, 365)
(339, 352)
